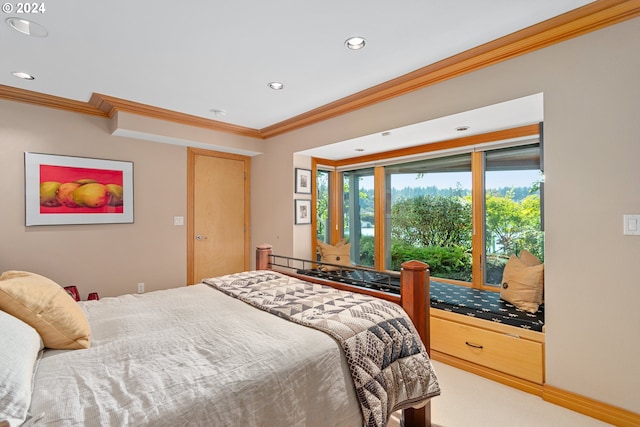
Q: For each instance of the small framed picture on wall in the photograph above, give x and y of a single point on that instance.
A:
(303, 181)
(302, 211)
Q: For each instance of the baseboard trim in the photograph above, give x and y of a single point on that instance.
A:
(501, 377)
(575, 402)
(593, 408)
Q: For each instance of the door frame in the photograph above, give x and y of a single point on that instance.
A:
(191, 161)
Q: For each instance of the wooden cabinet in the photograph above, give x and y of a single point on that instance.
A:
(501, 352)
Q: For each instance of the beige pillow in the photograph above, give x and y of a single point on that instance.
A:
(529, 259)
(523, 285)
(339, 254)
(46, 307)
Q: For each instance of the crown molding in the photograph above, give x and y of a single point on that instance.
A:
(110, 105)
(50, 101)
(592, 17)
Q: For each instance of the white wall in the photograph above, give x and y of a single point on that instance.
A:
(591, 89)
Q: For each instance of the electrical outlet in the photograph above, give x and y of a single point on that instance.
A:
(140, 288)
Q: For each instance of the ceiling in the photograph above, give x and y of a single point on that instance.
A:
(195, 57)
(504, 115)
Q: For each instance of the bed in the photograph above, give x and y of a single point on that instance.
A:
(215, 354)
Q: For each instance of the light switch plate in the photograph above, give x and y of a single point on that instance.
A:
(178, 220)
(632, 225)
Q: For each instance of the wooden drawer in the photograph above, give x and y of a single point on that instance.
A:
(506, 353)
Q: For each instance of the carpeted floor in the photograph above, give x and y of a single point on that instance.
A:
(468, 400)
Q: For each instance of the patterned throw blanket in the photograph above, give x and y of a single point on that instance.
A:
(388, 362)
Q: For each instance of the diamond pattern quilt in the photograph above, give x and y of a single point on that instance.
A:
(389, 365)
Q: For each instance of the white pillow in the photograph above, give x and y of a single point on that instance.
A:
(20, 345)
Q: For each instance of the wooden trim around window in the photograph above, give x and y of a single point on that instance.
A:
(379, 195)
(337, 205)
(519, 132)
(314, 206)
(477, 219)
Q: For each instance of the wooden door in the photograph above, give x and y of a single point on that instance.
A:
(218, 214)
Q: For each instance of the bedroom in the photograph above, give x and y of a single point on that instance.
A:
(591, 95)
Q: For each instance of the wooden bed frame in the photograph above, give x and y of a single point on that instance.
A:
(414, 299)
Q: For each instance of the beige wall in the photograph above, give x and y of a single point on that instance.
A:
(591, 89)
(110, 259)
(592, 98)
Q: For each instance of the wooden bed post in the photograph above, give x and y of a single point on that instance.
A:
(414, 294)
(263, 252)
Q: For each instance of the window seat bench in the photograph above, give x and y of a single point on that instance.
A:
(483, 305)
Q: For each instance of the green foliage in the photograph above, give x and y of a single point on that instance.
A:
(432, 221)
(513, 226)
(494, 268)
(322, 204)
(367, 251)
(452, 262)
(437, 230)
(435, 226)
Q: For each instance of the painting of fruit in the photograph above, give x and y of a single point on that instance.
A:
(61, 190)
(116, 193)
(80, 193)
(48, 191)
(64, 195)
(92, 195)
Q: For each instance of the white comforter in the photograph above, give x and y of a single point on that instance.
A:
(194, 356)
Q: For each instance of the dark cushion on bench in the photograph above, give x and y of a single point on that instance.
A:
(464, 300)
(483, 305)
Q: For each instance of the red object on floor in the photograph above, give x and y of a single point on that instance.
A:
(73, 291)
(93, 296)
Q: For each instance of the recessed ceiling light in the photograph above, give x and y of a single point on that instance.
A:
(276, 85)
(355, 43)
(27, 27)
(463, 128)
(24, 76)
(218, 113)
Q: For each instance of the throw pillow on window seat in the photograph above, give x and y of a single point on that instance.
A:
(339, 254)
(523, 282)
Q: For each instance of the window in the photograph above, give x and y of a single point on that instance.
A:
(512, 213)
(323, 213)
(464, 214)
(430, 215)
(359, 215)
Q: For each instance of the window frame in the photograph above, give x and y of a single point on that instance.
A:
(496, 139)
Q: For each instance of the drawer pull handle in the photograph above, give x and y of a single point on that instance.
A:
(473, 345)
